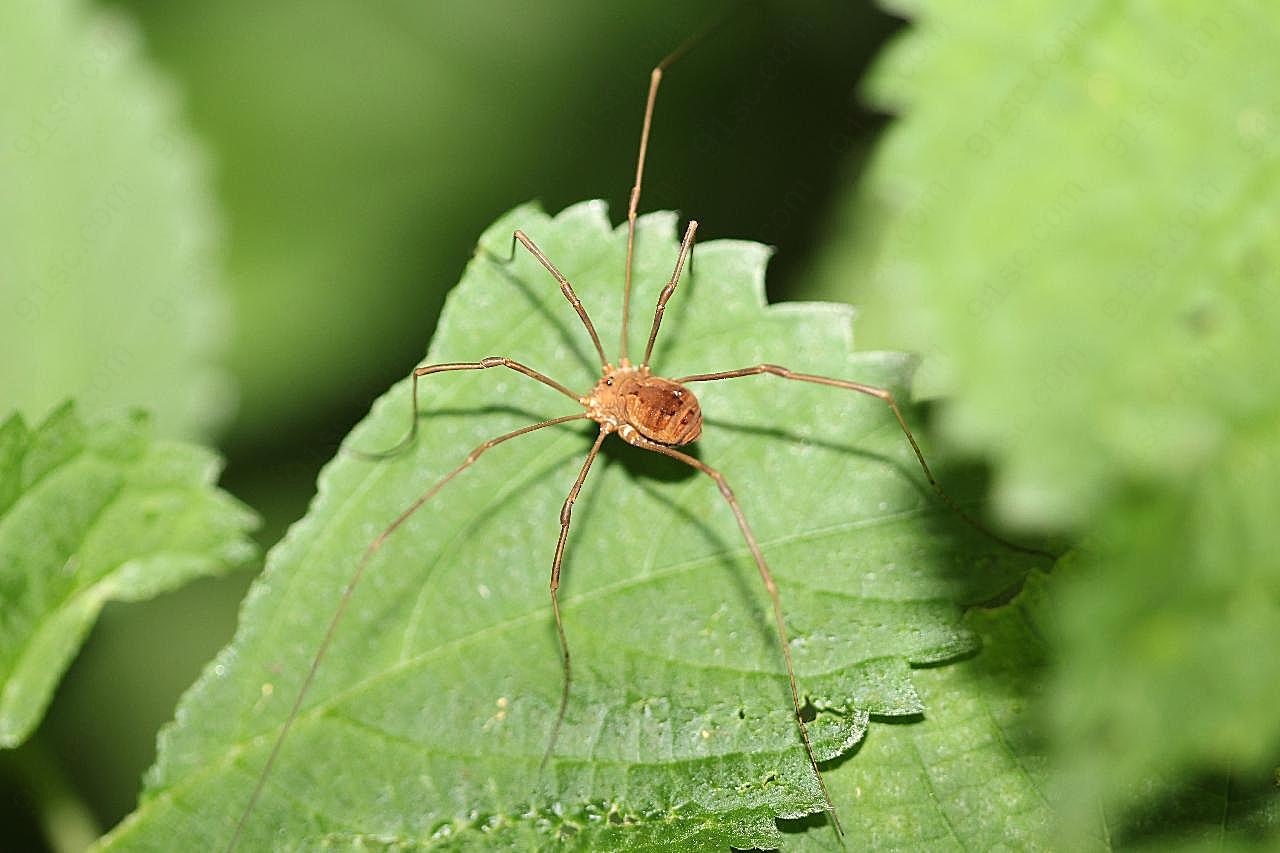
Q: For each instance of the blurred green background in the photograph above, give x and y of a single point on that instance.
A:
(352, 153)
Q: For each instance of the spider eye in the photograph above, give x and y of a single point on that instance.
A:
(609, 381)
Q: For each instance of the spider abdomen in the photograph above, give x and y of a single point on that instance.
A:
(663, 411)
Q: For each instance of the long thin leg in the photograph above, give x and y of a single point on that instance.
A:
(482, 364)
(887, 396)
(566, 513)
(345, 599)
(655, 79)
(686, 246)
(565, 287)
(769, 585)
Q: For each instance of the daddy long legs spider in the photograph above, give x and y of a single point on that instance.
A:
(645, 409)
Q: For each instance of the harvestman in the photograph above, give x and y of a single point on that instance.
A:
(646, 411)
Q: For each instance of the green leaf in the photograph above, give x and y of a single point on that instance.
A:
(974, 773)
(1076, 222)
(981, 760)
(1225, 811)
(1160, 617)
(1075, 217)
(90, 512)
(429, 717)
(107, 241)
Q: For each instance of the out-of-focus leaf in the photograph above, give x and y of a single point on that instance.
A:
(90, 512)
(429, 717)
(1076, 216)
(1077, 220)
(108, 265)
(1227, 811)
(1163, 624)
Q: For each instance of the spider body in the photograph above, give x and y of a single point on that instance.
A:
(630, 401)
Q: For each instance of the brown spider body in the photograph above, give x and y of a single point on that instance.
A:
(630, 401)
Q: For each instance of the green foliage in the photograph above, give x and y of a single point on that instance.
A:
(429, 716)
(1074, 217)
(355, 188)
(980, 753)
(1162, 624)
(107, 241)
(1078, 225)
(976, 755)
(90, 512)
